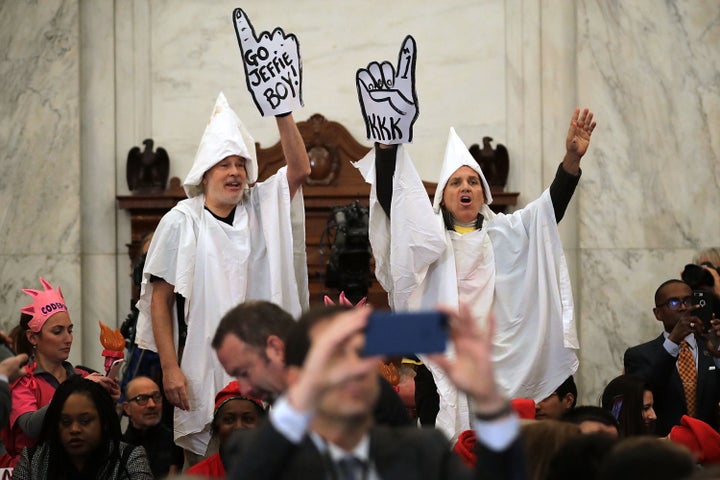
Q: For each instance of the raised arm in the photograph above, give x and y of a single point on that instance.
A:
(298, 162)
(568, 173)
(389, 105)
(578, 139)
(499, 450)
(273, 72)
(385, 158)
(472, 369)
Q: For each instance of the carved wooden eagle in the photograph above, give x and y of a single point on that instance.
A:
(494, 162)
(147, 171)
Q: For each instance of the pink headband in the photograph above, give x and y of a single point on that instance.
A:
(45, 304)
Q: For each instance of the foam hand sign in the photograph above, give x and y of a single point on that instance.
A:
(388, 98)
(273, 68)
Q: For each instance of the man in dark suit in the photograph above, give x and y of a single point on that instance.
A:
(324, 421)
(656, 361)
(250, 345)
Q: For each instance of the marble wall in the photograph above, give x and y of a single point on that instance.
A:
(110, 74)
(40, 137)
(652, 184)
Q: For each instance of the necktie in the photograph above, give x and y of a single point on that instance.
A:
(351, 468)
(688, 375)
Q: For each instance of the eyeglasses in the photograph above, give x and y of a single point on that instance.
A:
(674, 303)
(142, 399)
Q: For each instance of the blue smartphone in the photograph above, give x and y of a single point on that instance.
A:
(405, 333)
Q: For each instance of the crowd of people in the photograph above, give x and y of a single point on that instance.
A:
(252, 383)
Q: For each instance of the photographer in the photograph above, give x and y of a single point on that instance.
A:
(681, 366)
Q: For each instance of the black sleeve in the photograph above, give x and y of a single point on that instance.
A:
(427, 399)
(384, 170)
(561, 191)
(389, 409)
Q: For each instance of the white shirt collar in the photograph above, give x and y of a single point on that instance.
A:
(690, 339)
(361, 450)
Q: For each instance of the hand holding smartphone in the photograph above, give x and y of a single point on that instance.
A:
(705, 309)
(405, 333)
(114, 372)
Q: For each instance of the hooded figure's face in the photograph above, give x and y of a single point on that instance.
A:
(224, 184)
(463, 195)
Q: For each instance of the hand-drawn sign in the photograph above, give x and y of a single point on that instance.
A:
(388, 98)
(273, 68)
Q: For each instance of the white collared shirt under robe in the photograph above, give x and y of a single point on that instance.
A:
(216, 266)
(513, 266)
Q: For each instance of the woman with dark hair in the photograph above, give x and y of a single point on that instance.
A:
(630, 401)
(80, 439)
(46, 336)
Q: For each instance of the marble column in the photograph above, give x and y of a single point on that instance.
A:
(40, 135)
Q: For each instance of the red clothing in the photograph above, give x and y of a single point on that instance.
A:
(465, 447)
(30, 393)
(211, 467)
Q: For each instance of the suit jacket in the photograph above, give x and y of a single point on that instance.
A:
(397, 452)
(651, 362)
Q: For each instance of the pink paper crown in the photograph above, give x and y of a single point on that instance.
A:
(46, 303)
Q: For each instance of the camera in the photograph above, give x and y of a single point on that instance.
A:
(697, 277)
(349, 266)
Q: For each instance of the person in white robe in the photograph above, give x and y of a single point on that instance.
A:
(227, 243)
(457, 250)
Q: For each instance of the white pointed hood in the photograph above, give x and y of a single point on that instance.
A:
(456, 156)
(224, 135)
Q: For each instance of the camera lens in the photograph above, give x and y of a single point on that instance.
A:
(697, 277)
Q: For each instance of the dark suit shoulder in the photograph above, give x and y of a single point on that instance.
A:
(411, 452)
(649, 345)
(642, 351)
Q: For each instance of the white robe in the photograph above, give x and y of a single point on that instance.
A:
(215, 266)
(514, 266)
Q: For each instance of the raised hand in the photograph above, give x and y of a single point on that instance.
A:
(581, 128)
(716, 279)
(387, 97)
(333, 359)
(273, 68)
(471, 371)
(712, 338)
(14, 367)
(109, 384)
